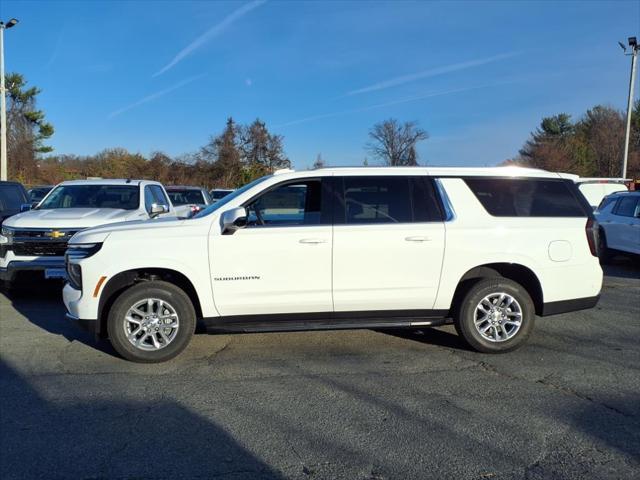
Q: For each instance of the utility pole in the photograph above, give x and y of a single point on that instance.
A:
(3, 102)
(633, 43)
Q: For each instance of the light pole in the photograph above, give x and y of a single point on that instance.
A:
(3, 102)
(633, 43)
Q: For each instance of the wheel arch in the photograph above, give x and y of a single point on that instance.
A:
(121, 281)
(513, 271)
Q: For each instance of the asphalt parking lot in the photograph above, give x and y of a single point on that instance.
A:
(344, 404)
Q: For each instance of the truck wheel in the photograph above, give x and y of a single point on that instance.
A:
(495, 316)
(151, 322)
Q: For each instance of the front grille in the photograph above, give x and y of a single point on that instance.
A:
(39, 249)
(44, 234)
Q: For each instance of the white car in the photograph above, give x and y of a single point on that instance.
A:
(619, 218)
(344, 248)
(595, 189)
(36, 240)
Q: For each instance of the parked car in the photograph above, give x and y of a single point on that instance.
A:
(219, 193)
(36, 240)
(619, 218)
(36, 194)
(595, 189)
(13, 197)
(188, 201)
(367, 248)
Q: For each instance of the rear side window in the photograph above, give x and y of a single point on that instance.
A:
(510, 197)
(393, 199)
(628, 207)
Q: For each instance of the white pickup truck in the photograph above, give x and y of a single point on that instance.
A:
(36, 240)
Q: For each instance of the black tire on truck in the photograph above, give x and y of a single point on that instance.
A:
(495, 316)
(151, 322)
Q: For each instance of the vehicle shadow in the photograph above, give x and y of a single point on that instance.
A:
(622, 267)
(430, 336)
(40, 302)
(98, 438)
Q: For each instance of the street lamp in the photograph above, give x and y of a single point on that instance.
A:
(633, 43)
(3, 102)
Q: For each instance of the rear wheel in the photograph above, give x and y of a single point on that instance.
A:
(604, 252)
(495, 316)
(151, 322)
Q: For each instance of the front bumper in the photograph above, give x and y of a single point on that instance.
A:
(14, 267)
(88, 325)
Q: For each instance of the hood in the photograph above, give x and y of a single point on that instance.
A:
(71, 217)
(100, 233)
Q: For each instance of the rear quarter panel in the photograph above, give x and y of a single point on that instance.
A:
(555, 249)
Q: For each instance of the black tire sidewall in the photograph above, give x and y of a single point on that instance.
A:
(464, 321)
(151, 289)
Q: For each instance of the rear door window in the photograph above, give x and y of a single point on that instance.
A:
(509, 197)
(11, 197)
(392, 199)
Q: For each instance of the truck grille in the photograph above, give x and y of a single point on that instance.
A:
(40, 243)
(39, 249)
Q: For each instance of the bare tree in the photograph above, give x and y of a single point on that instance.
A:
(395, 143)
(319, 163)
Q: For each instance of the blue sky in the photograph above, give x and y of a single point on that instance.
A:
(478, 76)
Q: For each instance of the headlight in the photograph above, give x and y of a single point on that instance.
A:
(7, 232)
(75, 253)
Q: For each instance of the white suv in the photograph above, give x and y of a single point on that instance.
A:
(36, 240)
(345, 248)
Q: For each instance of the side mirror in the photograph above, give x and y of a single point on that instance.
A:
(158, 209)
(233, 220)
(25, 207)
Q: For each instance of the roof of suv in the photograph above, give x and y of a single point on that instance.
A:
(182, 187)
(108, 181)
(624, 193)
(509, 171)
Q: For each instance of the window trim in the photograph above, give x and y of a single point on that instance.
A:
(326, 201)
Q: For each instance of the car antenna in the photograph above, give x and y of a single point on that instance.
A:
(128, 180)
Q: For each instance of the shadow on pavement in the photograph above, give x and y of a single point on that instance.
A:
(430, 336)
(622, 267)
(40, 302)
(112, 439)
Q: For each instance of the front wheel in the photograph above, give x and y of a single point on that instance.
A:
(495, 316)
(151, 322)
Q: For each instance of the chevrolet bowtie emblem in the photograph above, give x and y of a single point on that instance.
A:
(55, 234)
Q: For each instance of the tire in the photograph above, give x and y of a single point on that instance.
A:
(604, 253)
(502, 337)
(163, 302)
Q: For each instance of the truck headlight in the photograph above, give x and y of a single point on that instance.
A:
(74, 254)
(6, 235)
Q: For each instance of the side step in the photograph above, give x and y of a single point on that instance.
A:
(259, 324)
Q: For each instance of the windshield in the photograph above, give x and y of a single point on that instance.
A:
(186, 197)
(124, 197)
(218, 194)
(223, 201)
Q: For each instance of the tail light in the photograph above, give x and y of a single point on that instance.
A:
(591, 229)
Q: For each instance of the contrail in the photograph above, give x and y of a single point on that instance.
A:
(393, 82)
(155, 96)
(387, 104)
(213, 32)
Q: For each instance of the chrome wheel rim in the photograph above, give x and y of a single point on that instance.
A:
(498, 317)
(151, 324)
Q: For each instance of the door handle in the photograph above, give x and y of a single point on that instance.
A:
(313, 241)
(417, 239)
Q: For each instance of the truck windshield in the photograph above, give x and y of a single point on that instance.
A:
(123, 197)
(186, 197)
(223, 201)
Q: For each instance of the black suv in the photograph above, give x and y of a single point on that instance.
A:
(12, 197)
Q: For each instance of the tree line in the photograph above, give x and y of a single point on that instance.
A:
(591, 146)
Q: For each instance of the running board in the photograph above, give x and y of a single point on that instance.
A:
(299, 322)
